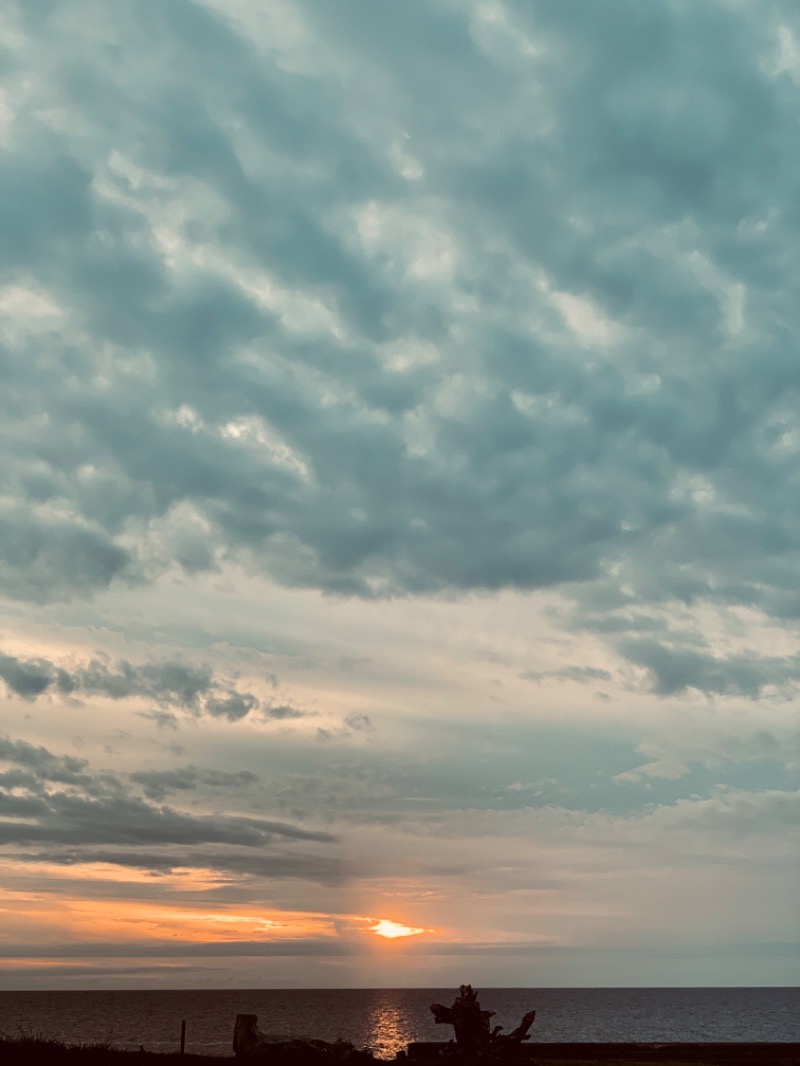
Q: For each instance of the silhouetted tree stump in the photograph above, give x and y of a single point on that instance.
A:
(247, 1037)
(471, 1024)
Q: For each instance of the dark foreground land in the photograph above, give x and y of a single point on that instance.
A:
(586, 1054)
(33, 1051)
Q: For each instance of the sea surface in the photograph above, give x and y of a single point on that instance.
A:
(385, 1020)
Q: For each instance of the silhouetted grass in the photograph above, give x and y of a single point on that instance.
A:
(29, 1047)
(32, 1045)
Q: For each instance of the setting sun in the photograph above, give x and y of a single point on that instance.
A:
(392, 930)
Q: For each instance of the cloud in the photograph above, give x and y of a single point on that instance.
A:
(43, 558)
(735, 813)
(27, 679)
(274, 865)
(360, 723)
(168, 683)
(257, 307)
(57, 800)
(675, 669)
(63, 769)
(112, 818)
(570, 673)
(160, 783)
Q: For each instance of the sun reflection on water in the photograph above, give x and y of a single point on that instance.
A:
(388, 1027)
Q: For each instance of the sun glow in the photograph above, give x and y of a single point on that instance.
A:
(393, 930)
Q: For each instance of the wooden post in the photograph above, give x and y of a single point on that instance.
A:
(183, 1035)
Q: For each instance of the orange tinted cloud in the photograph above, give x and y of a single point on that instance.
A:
(131, 921)
(123, 919)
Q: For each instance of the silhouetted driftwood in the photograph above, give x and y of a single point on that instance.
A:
(471, 1024)
(250, 1042)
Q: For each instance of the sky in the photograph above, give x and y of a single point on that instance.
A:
(400, 493)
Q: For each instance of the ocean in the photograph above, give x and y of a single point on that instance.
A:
(385, 1020)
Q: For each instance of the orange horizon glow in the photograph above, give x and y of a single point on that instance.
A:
(133, 921)
(146, 921)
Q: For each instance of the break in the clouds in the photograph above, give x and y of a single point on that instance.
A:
(399, 426)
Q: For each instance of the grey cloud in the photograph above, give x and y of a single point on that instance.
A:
(321, 868)
(585, 673)
(43, 559)
(233, 706)
(28, 679)
(62, 769)
(15, 806)
(282, 711)
(569, 673)
(159, 783)
(736, 813)
(97, 809)
(674, 669)
(173, 682)
(470, 768)
(361, 723)
(16, 778)
(352, 723)
(163, 719)
(192, 688)
(117, 819)
(275, 865)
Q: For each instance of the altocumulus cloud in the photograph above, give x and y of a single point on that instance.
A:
(366, 351)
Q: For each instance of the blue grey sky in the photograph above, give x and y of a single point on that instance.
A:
(400, 497)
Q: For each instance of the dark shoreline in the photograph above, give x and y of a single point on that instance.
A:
(50, 1053)
(716, 1053)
